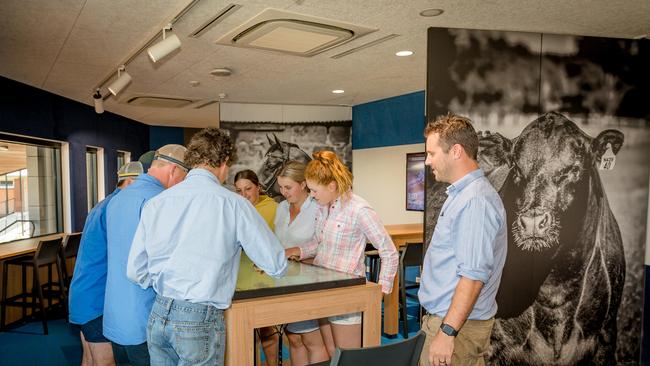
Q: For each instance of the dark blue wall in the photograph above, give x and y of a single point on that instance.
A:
(33, 112)
(159, 136)
(388, 122)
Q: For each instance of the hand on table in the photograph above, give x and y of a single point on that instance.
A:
(292, 253)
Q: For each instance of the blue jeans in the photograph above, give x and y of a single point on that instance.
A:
(183, 333)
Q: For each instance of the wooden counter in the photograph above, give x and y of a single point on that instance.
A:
(305, 292)
(401, 235)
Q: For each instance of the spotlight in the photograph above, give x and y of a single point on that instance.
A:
(123, 79)
(164, 47)
(99, 102)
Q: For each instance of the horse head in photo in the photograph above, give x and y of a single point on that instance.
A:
(278, 154)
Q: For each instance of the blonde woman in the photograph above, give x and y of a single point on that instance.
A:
(294, 225)
(344, 222)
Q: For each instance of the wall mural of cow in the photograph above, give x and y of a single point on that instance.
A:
(565, 254)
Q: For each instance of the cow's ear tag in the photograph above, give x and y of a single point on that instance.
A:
(608, 160)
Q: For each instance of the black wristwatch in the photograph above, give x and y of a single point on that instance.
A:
(448, 330)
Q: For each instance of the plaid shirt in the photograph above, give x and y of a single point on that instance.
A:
(340, 239)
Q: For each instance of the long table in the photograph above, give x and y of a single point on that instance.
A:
(305, 292)
(24, 246)
(401, 235)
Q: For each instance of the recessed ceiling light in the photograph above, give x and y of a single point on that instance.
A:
(338, 91)
(403, 53)
(431, 12)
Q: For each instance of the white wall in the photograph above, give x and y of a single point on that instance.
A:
(380, 178)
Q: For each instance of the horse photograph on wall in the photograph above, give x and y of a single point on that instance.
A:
(265, 147)
(564, 137)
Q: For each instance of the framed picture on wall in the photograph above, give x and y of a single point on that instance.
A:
(415, 181)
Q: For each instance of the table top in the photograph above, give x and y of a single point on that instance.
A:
(24, 246)
(404, 229)
(300, 277)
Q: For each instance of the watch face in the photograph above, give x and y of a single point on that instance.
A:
(448, 330)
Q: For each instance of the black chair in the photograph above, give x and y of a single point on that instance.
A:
(70, 250)
(404, 353)
(373, 262)
(46, 254)
(412, 255)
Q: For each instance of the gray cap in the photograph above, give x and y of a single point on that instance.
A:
(172, 153)
(146, 159)
(128, 170)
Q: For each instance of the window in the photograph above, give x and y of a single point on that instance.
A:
(30, 188)
(123, 157)
(92, 194)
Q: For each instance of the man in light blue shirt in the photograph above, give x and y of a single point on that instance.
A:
(127, 306)
(463, 263)
(188, 246)
(86, 302)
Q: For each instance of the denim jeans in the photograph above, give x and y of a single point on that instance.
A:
(183, 333)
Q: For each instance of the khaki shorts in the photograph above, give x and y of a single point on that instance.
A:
(471, 344)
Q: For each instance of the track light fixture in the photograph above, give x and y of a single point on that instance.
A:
(123, 79)
(163, 48)
(99, 102)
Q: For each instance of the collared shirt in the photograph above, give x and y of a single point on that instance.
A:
(127, 306)
(470, 240)
(189, 241)
(88, 284)
(342, 230)
(301, 229)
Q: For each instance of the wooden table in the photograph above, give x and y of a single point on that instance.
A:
(24, 246)
(305, 292)
(401, 235)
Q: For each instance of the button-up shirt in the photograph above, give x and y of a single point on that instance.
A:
(127, 306)
(189, 241)
(470, 240)
(301, 229)
(89, 280)
(342, 230)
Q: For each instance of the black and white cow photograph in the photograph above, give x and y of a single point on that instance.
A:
(564, 137)
(265, 147)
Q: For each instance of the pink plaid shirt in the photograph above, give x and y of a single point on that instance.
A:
(340, 239)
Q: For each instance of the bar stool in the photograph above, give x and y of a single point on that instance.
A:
(70, 250)
(412, 255)
(46, 254)
(373, 262)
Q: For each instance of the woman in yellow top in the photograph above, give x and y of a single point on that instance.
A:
(248, 186)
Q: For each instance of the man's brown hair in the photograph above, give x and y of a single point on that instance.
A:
(212, 147)
(454, 129)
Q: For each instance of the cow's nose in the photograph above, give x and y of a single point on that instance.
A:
(535, 225)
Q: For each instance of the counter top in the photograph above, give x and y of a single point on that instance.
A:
(300, 277)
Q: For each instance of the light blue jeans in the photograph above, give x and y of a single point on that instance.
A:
(183, 333)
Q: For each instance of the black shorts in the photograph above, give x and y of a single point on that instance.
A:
(93, 331)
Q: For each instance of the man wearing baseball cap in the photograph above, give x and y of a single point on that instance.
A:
(86, 302)
(126, 305)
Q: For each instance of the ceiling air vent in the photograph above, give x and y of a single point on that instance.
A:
(158, 102)
(292, 33)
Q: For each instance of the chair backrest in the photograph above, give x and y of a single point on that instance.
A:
(47, 251)
(405, 353)
(413, 255)
(71, 247)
